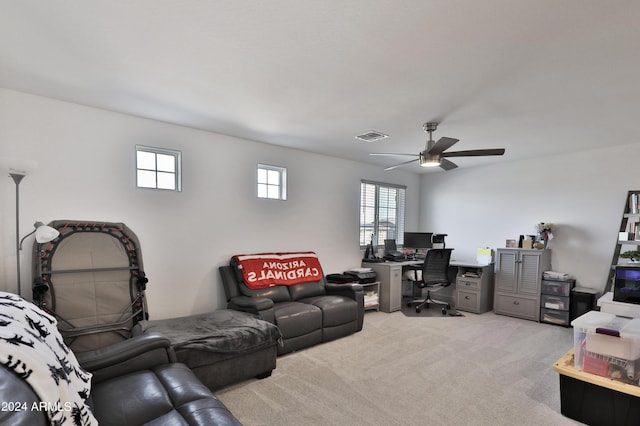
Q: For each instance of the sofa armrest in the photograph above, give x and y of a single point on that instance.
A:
(350, 289)
(17, 399)
(134, 354)
(261, 306)
(254, 304)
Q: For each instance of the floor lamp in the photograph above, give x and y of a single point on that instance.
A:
(44, 233)
(17, 178)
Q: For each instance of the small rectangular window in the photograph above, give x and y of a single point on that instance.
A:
(158, 168)
(272, 182)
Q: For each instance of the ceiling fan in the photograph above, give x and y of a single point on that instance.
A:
(434, 153)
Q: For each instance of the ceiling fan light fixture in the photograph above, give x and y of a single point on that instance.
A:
(427, 160)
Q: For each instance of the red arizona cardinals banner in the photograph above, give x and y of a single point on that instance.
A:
(269, 269)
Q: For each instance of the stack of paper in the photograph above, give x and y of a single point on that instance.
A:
(485, 256)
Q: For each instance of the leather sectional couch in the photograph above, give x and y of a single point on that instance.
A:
(307, 313)
(133, 382)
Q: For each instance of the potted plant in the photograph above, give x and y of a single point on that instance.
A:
(632, 255)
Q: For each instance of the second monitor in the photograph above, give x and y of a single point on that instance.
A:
(417, 240)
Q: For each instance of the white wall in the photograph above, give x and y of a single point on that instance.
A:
(583, 193)
(86, 172)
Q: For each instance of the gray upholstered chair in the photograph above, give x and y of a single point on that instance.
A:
(432, 275)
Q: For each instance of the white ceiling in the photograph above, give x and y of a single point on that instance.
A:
(537, 77)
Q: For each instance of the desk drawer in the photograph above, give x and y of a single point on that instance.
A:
(468, 283)
(467, 301)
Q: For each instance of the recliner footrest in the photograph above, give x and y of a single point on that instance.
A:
(221, 347)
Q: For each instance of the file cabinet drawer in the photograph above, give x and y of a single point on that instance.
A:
(467, 301)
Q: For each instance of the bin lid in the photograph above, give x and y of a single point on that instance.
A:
(631, 329)
(592, 320)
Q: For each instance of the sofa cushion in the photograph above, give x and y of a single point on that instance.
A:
(301, 291)
(297, 319)
(168, 394)
(336, 310)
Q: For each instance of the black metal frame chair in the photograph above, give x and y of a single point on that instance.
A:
(432, 275)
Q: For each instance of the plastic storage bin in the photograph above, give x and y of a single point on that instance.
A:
(554, 316)
(554, 302)
(558, 288)
(607, 345)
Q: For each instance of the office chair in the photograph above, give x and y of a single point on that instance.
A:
(432, 275)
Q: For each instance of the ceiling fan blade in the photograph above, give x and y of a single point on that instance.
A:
(447, 165)
(392, 153)
(401, 164)
(474, 153)
(442, 145)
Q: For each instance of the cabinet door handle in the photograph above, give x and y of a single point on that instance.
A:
(515, 302)
(467, 297)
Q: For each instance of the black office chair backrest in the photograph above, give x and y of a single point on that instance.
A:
(436, 265)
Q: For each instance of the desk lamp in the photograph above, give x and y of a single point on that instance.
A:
(44, 234)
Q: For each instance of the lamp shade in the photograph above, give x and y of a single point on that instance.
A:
(45, 233)
(17, 166)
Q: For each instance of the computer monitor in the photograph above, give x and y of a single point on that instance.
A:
(390, 246)
(417, 240)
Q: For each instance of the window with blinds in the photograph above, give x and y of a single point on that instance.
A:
(381, 213)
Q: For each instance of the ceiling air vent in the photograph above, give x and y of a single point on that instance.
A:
(371, 136)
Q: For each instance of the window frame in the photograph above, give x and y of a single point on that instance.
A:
(177, 164)
(280, 186)
(399, 212)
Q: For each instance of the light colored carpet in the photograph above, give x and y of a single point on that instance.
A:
(474, 370)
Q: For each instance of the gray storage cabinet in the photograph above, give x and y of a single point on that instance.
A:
(518, 282)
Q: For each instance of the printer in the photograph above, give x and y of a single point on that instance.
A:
(363, 275)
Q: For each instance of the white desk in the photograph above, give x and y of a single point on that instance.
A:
(608, 305)
(389, 274)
